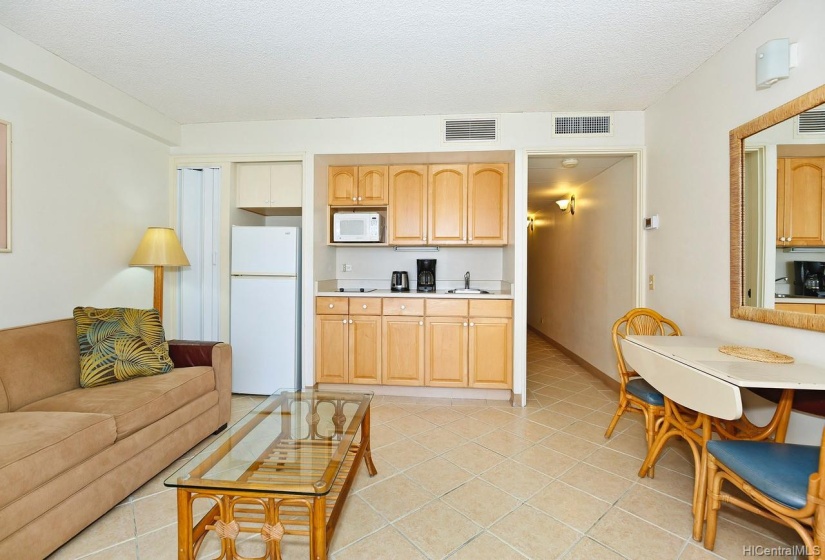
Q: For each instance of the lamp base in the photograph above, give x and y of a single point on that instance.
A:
(158, 301)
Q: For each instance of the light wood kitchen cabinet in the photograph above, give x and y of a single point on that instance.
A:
(816, 308)
(800, 202)
(447, 205)
(269, 185)
(348, 340)
(403, 350)
(407, 212)
(434, 342)
(487, 203)
(357, 186)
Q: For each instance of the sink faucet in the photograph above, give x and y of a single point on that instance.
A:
(783, 279)
(467, 280)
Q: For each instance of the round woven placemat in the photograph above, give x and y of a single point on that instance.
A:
(756, 354)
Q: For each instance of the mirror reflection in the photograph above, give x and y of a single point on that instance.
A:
(784, 215)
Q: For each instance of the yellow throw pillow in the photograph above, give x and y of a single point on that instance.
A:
(120, 343)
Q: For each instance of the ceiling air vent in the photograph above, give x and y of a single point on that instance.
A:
(811, 122)
(470, 130)
(600, 124)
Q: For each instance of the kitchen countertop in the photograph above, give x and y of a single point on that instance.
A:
(413, 294)
(800, 299)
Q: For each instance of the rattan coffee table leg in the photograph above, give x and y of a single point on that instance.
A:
(184, 526)
(365, 441)
(318, 529)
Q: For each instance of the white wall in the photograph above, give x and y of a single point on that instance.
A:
(688, 159)
(580, 267)
(84, 189)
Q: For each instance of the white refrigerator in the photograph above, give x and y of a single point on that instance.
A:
(265, 309)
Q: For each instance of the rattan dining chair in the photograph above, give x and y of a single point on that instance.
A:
(636, 394)
(784, 482)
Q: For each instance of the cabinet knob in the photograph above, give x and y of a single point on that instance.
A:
(354, 199)
(472, 324)
(331, 305)
(465, 324)
(782, 239)
(789, 239)
(344, 321)
(359, 198)
(364, 306)
(471, 238)
(403, 307)
(350, 321)
(420, 322)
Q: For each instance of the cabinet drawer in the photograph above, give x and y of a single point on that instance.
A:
(403, 306)
(491, 308)
(365, 306)
(331, 306)
(446, 307)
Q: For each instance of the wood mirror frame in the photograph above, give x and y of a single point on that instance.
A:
(807, 321)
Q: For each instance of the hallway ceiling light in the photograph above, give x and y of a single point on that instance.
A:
(567, 204)
(569, 163)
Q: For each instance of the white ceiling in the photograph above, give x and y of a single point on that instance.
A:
(225, 60)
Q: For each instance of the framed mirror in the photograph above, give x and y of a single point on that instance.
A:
(777, 215)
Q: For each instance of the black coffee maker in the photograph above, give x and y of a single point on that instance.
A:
(809, 278)
(426, 275)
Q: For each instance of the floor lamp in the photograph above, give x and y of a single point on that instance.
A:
(159, 247)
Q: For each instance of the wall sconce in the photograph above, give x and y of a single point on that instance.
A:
(774, 61)
(567, 204)
(530, 223)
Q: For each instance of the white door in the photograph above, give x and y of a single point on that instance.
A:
(199, 230)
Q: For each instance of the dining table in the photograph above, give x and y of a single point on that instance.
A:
(702, 388)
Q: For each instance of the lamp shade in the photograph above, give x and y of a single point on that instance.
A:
(159, 247)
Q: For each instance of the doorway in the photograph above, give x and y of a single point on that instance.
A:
(583, 263)
(199, 230)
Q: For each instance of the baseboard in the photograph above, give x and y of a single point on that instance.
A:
(596, 372)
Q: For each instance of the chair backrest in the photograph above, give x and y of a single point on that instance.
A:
(640, 321)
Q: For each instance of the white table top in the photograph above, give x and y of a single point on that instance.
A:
(702, 354)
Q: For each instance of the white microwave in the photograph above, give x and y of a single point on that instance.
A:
(358, 227)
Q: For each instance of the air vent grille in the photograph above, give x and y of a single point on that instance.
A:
(583, 124)
(470, 130)
(811, 122)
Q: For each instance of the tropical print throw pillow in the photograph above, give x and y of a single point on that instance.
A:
(120, 343)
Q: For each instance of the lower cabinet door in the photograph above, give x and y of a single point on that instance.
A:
(445, 363)
(331, 348)
(402, 341)
(365, 349)
(491, 353)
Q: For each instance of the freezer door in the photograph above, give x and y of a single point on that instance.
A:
(263, 250)
(263, 334)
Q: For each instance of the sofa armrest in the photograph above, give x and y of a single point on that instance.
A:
(190, 353)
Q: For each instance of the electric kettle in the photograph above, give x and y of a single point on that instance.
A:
(400, 281)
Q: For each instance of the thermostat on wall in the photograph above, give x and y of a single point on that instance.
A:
(652, 222)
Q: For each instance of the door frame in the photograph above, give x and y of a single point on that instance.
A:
(520, 215)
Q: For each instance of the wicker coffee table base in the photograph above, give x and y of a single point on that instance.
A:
(242, 514)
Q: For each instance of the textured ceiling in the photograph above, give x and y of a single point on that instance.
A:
(198, 61)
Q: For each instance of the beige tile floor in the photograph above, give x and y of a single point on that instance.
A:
(474, 480)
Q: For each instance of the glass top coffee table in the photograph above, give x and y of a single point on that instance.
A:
(284, 469)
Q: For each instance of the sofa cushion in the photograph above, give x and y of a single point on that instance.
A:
(137, 403)
(120, 343)
(37, 446)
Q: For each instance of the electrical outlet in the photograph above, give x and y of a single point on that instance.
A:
(651, 282)
(346, 268)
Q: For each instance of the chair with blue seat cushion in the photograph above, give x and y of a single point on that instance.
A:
(782, 480)
(636, 394)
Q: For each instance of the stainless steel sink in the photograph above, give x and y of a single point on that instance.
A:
(781, 295)
(467, 291)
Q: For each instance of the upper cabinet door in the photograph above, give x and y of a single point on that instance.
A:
(408, 205)
(342, 186)
(286, 184)
(805, 201)
(447, 223)
(372, 185)
(487, 204)
(252, 185)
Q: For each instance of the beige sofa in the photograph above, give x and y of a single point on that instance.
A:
(68, 454)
